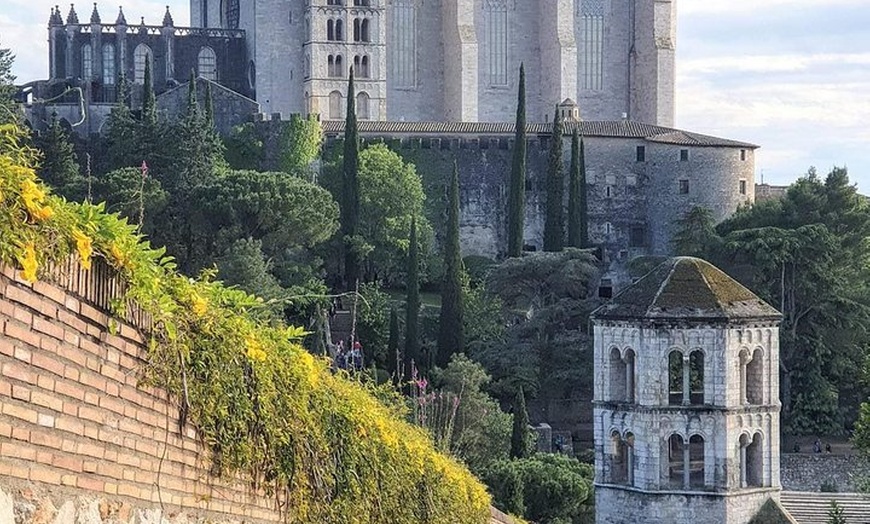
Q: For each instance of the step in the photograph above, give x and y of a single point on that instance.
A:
(812, 508)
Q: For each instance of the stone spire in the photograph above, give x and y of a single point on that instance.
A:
(95, 15)
(58, 19)
(72, 17)
(167, 19)
(121, 20)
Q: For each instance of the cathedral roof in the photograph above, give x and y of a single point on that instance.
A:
(690, 289)
(605, 129)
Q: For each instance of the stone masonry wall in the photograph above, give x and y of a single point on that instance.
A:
(80, 439)
(806, 472)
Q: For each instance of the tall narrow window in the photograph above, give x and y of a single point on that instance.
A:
(335, 105)
(356, 30)
(339, 30)
(206, 63)
(592, 57)
(696, 462)
(497, 41)
(330, 30)
(754, 380)
(618, 459)
(618, 375)
(403, 54)
(362, 106)
(87, 62)
(141, 56)
(364, 30)
(108, 64)
(330, 66)
(231, 14)
(339, 67)
(751, 461)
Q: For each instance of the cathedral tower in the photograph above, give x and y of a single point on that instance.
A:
(686, 400)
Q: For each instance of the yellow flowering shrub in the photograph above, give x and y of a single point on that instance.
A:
(321, 444)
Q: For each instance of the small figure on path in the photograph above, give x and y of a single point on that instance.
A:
(817, 446)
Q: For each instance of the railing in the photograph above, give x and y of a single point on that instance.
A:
(209, 32)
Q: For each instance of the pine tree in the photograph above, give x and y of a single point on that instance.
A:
(450, 333)
(60, 168)
(393, 357)
(584, 198)
(149, 102)
(412, 304)
(577, 234)
(350, 187)
(8, 107)
(520, 433)
(517, 187)
(835, 514)
(554, 223)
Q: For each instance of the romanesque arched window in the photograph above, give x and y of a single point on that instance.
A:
(685, 378)
(696, 377)
(675, 378)
(339, 66)
(364, 31)
(108, 64)
(361, 66)
(339, 30)
(751, 461)
(686, 462)
(362, 106)
(356, 30)
(330, 29)
(621, 459)
(617, 376)
(206, 63)
(696, 462)
(87, 62)
(141, 56)
(676, 461)
(754, 378)
(335, 105)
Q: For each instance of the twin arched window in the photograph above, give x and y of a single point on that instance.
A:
(206, 63)
(622, 373)
(751, 461)
(142, 55)
(686, 464)
(335, 30)
(686, 378)
(361, 66)
(361, 30)
(335, 66)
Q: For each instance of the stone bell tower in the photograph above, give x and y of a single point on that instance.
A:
(686, 400)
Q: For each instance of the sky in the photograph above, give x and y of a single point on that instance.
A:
(792, 76)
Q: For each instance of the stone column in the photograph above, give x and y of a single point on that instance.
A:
(461, 61)
(558, 52)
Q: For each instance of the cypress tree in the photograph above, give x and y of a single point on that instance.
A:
(574, 193)
(393, 358)
(350, 188)
(520, 433)
(554, 223)
(584, 198)
(192, 103)
(412, 304)
(149, 102)
(517, 195)
(209, 106)
(450, 335)
(59, 167)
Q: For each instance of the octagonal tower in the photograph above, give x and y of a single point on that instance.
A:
(686, 400)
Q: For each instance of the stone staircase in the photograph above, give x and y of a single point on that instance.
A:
(812, 508)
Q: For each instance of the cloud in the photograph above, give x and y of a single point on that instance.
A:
(753, 7)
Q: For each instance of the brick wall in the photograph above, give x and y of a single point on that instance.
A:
(76, 426)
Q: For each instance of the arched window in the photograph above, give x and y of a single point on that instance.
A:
(751, 461)
(339, 30)
(364, 31)
(696, 462)
(618, 458)
(362, 106)
(108, 64)
(339, 66)
(686, 464)
(675, 378)
(356, 30)
(141, 56)
(754, 381)
(87, 62)
(696, 378)
(685, 378)
(676, 461)
(361, 3)
(330, 30)
(361, 66)
(206, 63)
(335, 105)
(617, 376)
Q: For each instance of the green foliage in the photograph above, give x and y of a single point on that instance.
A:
(543, 488)
(269, 412)
(60, 168)
(517, 187)
(696, 234)
(480, 429)
(554, 221)
(243, 148)
(836, 514)
(520, 435)
(149, 101)
(9, 112)
(451, 338)
(245, 266)
(120, 190)
(373, 323)
(300, 144)
(412, 306)
(350, 191)
(393, 355)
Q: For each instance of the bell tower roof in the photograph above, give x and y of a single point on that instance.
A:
(686, 288)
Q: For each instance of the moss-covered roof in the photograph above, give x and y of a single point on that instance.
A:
(686, 288)
(772, 513)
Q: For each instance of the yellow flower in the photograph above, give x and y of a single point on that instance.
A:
(198, 305)
(33, 195)
(119, 256)
(254, 349)
(28, 263)
(84, 247)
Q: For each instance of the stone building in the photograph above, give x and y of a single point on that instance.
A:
(686, 400)
(456, 60)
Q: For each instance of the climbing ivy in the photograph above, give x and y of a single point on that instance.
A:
(267, 409)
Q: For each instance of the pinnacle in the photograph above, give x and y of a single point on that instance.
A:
(72, 17)
(167, 19)
(95, 15)
(121, 19)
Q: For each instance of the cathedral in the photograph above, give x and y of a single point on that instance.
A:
(455, 60)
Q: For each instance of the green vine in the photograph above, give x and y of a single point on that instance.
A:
(266, 408)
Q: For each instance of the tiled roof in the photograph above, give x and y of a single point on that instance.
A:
(686, 288)
(606, 129)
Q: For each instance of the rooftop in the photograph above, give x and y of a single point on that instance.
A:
(604, 129)
(686, 288)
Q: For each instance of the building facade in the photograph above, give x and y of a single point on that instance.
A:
(686, 400)
(456, 60)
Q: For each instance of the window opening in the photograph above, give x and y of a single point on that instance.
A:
(684, 187)
(641, 153)
(108, 64)
(207, 63)
(684, 155)
(743, 187)
(87, 62)
(141, 55)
